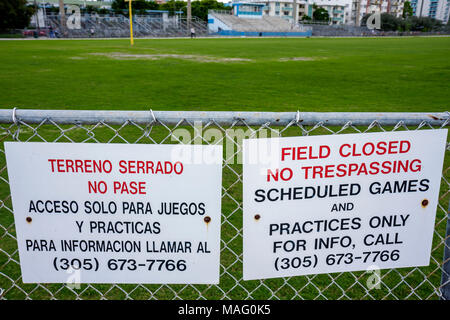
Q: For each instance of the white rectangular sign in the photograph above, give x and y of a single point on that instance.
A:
(323, 204)
(116, 213)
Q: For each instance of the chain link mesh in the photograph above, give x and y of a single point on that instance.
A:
(404, 283)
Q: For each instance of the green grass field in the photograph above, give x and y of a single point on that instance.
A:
(375, 74)
(316, 74)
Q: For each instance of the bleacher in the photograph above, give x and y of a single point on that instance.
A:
(265, 24)
(109, 26)
(229, 24)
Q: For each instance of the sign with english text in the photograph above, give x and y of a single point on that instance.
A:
(324, 204)
(116, 213)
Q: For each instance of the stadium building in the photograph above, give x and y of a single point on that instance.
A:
(437, 9)
(349, 12)
(338, 10)
(362, 7)
(285, 9)
(248, 19)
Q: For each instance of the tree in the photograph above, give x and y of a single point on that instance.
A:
(200, 8)
(91, 9)
(388, 22)
(321, 14)
(173, 6)
(424, 24)
(138, 6)
(407, 10)
(392, 23)
(118, 6)
(15, 14)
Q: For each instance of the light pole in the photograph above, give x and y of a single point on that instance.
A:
(189, 16)
(294, 13)
(62, 16)
(36, 16)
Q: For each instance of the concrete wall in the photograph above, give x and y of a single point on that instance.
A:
(215, 25)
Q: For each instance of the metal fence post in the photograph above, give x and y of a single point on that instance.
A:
(445, 280)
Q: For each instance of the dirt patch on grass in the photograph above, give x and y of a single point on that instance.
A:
(190, 57)
(299, 59)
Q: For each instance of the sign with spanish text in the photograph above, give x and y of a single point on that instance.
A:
(116, 213)
(335, 203)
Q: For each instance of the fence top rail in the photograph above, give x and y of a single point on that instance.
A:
(33, 116)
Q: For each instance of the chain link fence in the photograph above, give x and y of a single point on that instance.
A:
(156, 127)
(117, 26)
(321, 30)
